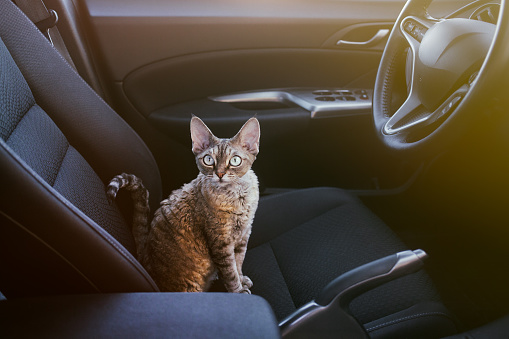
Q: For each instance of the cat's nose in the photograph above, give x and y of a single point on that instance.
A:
(220, 174)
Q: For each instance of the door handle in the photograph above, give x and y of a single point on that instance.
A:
(379, 36)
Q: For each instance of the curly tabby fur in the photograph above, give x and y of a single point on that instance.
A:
(203, 227)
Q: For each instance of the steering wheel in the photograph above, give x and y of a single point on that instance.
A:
(435, 77)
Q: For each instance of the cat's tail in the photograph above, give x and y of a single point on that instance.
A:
(141, 209)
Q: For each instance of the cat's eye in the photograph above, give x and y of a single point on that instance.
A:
(208, 160)
(235, 161)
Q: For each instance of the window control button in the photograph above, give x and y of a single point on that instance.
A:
(346, 98)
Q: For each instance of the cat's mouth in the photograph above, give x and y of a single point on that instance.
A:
(220, 180)
(223, 179)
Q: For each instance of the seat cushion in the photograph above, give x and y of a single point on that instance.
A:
(303, 239)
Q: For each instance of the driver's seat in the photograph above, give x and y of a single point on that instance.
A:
(59, 144)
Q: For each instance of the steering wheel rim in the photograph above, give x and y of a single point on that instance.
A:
(425, 122)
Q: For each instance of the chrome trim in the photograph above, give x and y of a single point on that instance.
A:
(304, 98)
(486, 8)
(379, 36)
(300, 314)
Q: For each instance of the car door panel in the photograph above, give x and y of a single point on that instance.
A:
(200, 75)
(167, 57)
(139, 33)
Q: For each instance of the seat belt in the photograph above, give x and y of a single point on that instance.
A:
(46, 21)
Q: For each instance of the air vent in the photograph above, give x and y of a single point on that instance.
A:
(487, 13)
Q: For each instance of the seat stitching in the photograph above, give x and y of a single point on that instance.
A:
(80, 79)
(80, 215)
(410, 317)
(61, 160)
(56, 178)
(6, 139)
(61, 164)
(282, 275)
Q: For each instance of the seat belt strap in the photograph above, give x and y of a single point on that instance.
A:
(36, 11)
(46, 21)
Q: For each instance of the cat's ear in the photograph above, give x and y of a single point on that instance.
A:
(249, 136)
(201, 136)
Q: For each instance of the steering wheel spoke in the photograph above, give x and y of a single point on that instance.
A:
(412, 115)
(413, 29)
(406, 117)
(440, 56)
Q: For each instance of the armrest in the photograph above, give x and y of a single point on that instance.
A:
(329, 313)
(139, 315)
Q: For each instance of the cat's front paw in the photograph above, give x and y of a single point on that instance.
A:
(246, 282)
(241, 289)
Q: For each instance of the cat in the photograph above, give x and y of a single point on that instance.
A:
(203, 227)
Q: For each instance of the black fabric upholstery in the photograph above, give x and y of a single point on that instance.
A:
(498, 329)
(54, 166)
(59, 144)
(74, 106)
(320, 234)
(79, 184)
(38, 141)
(16, 98)
(421, 321)
(139, 315)
(281, 216)
(34, 137)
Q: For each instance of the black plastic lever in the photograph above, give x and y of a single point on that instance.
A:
(328, 314)
(366, 277)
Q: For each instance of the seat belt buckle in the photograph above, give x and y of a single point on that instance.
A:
(48, 22)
